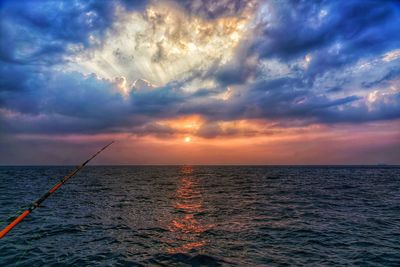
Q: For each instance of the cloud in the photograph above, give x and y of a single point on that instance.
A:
(210, 9)
(162, 44)
(295, 27)
(110, 67)
(47, 32)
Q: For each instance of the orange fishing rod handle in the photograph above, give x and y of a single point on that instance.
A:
(14, 223)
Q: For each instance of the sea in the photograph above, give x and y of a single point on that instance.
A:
(203, 216)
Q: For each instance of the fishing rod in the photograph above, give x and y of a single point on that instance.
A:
(39, 201)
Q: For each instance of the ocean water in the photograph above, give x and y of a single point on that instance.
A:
(204, 216)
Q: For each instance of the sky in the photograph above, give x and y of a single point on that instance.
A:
(200, 82)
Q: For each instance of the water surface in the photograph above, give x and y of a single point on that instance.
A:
(202, 215)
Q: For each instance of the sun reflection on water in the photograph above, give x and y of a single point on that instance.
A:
(188, 204)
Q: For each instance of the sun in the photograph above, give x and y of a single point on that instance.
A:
(188, 139)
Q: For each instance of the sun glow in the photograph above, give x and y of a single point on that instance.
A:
(188, 139)
(187, 124)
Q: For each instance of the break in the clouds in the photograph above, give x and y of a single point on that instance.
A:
(273, 73)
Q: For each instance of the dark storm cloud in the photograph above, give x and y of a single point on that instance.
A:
(290, 98)
(302, 26)
(43, 32)
(74, 103)
(210, 9)
(162, 101)
(391, 74)
(134, 4)
(239, 71)
(335, 33)
(56, 103)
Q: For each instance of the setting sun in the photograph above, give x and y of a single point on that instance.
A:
(188, 139)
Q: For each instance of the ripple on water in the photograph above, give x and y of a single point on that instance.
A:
(204, 216)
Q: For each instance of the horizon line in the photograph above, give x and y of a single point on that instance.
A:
(174, 165)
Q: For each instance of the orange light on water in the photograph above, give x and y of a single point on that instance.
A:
(185, 226)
